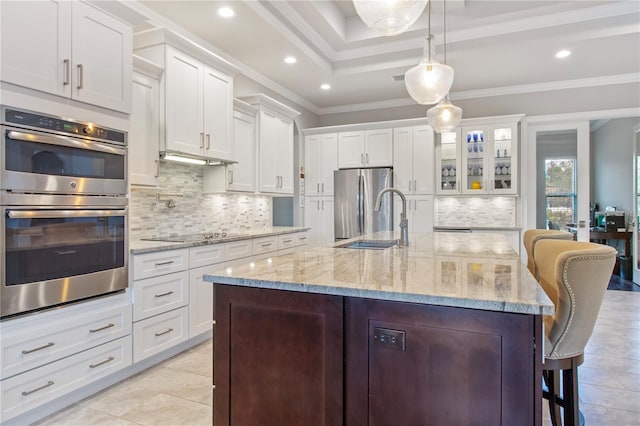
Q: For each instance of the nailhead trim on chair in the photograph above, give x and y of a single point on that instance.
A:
(565, 331)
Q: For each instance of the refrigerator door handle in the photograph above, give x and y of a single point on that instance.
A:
(361, 204)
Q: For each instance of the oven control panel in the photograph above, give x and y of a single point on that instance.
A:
(59, 125)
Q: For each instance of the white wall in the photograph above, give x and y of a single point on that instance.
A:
(612, 164)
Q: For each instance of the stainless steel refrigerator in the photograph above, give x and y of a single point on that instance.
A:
(354, 200)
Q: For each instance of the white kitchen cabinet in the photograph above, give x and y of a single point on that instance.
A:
(275, 144)
(489, 158)
(199, 105)
(448, 161)
(144, 133)
(156, 295)
(413, 159)
(318, 215)
(321, 160)
(419, 213)
(197, 94)
(241, 175)
(155, 334)
(368, 148)
(201, 300)
(77, 51)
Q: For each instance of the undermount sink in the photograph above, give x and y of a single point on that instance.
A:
(370, 244)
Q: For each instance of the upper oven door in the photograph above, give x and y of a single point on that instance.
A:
(40, 162)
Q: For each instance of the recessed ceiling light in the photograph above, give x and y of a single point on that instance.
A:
(325, 86)
(290, 60)
(562, 53)
(226, 12)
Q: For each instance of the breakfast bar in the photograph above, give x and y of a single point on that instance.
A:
(447, 330)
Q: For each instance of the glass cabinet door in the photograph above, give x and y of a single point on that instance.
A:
(447, 163)
(502, 164)
(475, 143)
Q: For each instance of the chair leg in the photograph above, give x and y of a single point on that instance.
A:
(552, 380)
(570, 395)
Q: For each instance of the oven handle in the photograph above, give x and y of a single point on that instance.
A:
(64, 141)
(51, 214)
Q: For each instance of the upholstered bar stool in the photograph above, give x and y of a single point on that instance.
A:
(575, 276)
(532, 236)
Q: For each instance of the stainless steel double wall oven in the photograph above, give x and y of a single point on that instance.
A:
(63, 186)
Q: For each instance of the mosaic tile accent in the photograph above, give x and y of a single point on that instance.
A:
(194, 211)
(475, 211)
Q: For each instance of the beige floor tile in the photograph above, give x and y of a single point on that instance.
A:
(196, 362)
(81, 415)
(595, 415)
(609, 397)
(612, 379)
(121, 398)
(161, 410)
(181, 384)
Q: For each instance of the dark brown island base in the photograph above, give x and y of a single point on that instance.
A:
(447, 331)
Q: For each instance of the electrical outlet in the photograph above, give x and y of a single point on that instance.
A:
(393, 339)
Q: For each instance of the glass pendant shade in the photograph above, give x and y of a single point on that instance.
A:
(428, 82)
(445, 116)
(389, 17)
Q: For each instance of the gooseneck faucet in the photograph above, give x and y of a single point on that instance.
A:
(404, 230)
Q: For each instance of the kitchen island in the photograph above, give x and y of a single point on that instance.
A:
(445, 331)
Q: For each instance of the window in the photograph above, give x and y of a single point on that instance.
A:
(560, 191)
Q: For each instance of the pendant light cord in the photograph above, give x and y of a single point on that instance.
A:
(429, 31)
(444, 29)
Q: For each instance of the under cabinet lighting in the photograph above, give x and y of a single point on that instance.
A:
(562, 53)
(290, 60)
(226, 12)
(325, 86)
(188, 160)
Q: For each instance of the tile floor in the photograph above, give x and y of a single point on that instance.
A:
(178, 391)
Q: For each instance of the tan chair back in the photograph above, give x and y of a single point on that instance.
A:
(575, 276)
(532, 236)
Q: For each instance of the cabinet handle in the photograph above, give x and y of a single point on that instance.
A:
(102, 362)
(63, 252)
(362, 159)
(266, 244)
(164, 294)
(67, 72)
(409, 184)
(157, 168)
(286, 241)
(28, 351)
(49, 383)
(230, 176)
(169, 330)
(322, 204)
(318, 188)
(95, 330)
(302, 238)
(318, 206)
(201, 140)
(414, 186)
(164, 263)
(323, 187)
(208, 141)
(80, 76)
(367, 157)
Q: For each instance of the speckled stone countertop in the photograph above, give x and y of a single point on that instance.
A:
(144, 246)
(479, 271)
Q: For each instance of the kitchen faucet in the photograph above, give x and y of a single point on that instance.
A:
(404, 230)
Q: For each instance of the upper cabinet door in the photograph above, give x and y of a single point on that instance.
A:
(402, 159)
(144, 133)
(379, 148)
(218, 118)
(269, 178)
(242, 175)
(184, 103)
(36, 45)
(284, 154)
(351, 150)
(102, 58)
(329, 156)
(313, 165)
(422, 158)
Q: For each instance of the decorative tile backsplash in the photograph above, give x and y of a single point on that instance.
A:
(475, 211)
(181, 185)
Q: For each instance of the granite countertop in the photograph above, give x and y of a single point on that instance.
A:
(466, 270)
(478, 228)
(144, 246)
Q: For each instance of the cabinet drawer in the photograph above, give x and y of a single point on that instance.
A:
(237, 249)
(160, 294)
(29, 390)
(265, 245)
(292, 240)
(30, 347)
(155, 334)
(160, 263)
(206, 255)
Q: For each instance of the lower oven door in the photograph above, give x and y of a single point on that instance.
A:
(55, 255)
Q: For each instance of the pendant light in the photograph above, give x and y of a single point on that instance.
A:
(445, 116)
(389, 17)
(429, 81)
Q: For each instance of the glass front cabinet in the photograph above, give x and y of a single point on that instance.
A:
(481, 157)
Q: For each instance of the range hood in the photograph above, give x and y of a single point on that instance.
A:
(193, 159)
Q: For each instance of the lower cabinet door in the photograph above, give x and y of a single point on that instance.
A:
(29, 390)
(201, 300)
(155, 334)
